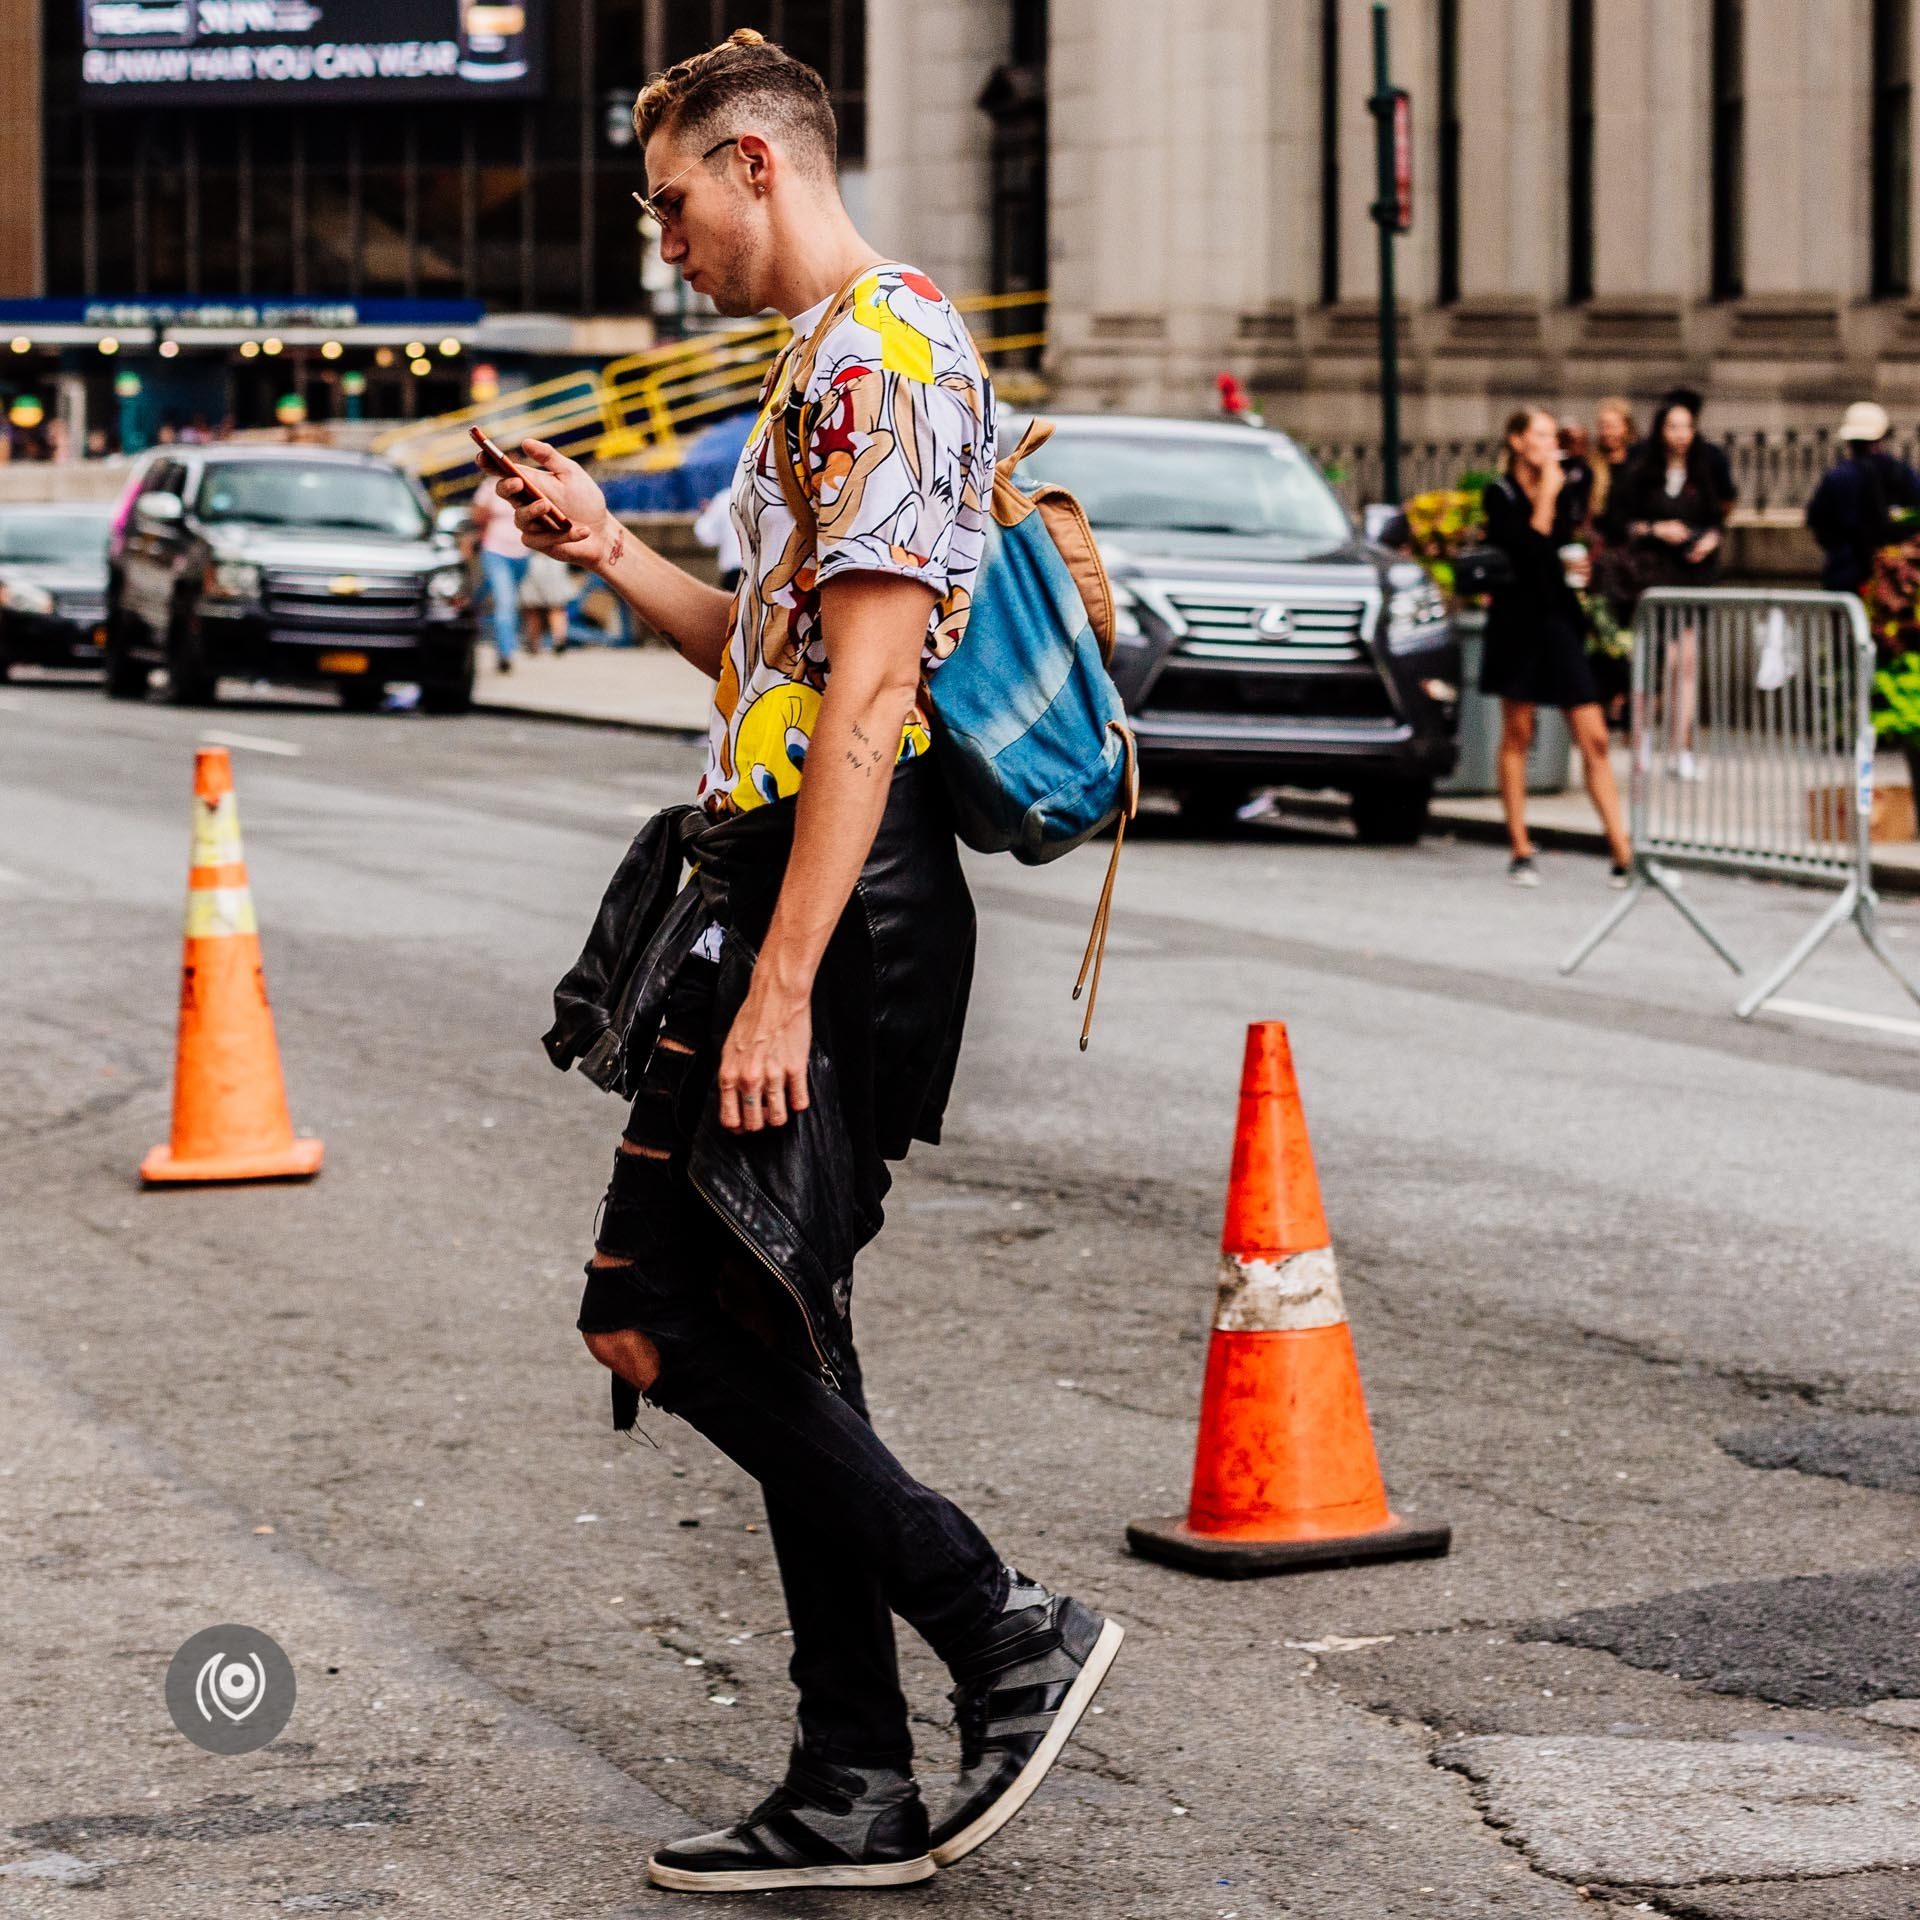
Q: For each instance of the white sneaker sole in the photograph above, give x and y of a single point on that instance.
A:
(884, 1873)
(1026, 1783)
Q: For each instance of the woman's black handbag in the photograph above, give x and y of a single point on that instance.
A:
(1480, 571)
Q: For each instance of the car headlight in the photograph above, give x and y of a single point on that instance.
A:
(448, 587)
(232, 580)
(23, 598)
(1126, 615)
(1416, 610)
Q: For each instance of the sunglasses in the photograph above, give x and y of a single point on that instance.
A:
(650, 204)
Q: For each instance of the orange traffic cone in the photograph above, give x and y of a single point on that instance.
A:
(230, 1119)
(1285, 1474)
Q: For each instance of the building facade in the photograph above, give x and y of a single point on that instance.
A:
(232, 244)
(1609, 195)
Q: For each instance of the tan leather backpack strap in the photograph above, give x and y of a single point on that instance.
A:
(1095, 956)
(792, 380)
(837, 309)
(1038, 433)
(789, 437)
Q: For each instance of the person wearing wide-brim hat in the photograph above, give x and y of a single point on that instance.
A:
(1851, 512)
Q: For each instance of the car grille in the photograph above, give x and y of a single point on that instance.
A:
(310, 602)
(1223, 623)
(83, 609)
(1263, 693)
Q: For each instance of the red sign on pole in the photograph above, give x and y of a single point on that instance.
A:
(1402, 161)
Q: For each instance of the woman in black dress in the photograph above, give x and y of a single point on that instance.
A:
(1673, 505)
(1536, 646)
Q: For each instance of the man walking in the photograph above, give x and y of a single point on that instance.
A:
(795, 1019)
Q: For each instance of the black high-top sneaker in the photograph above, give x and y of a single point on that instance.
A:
(825, 1825)
(1023, 1688)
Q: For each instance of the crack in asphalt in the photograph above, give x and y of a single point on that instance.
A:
(230, 1816)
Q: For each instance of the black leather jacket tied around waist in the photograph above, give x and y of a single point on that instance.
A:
(889, 1005)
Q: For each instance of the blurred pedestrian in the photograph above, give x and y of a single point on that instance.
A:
(715, 531)
(1851, 512)
(1613, 582)
(1613, 440)
(1577, 471)
(503, 564)
(546, 592)
(1674, 499)
(1719, 468)
(1536, 641)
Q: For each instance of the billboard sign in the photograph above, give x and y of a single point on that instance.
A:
(198, 52)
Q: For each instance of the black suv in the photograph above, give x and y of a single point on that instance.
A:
(295, 564)
(1261, 641)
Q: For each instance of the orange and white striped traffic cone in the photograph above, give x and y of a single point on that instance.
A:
(1284, 1474)
(230, 1119)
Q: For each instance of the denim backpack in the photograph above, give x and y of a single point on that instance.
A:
(1029, 730)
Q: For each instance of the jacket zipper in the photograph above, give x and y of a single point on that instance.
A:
(740, 1233)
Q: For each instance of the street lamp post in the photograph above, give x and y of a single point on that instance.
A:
(1393, 215)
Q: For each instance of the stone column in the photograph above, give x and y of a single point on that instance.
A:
(1651, 151)
(1809, 103)
(1808, 90)
(1169, 223)
(929, 146)
(22, 249)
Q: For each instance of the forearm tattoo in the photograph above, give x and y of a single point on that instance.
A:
(869, 759)
(618, 548)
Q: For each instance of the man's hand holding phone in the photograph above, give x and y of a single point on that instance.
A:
(592, 538)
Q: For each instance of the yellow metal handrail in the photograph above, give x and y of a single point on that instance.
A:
(638, 407)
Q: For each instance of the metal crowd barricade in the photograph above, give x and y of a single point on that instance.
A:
(1753, 753)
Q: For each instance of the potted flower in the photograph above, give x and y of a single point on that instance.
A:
(1892, 594)
(1896, 712)
(1442, 525)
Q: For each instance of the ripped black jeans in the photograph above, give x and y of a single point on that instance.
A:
(858, 1539)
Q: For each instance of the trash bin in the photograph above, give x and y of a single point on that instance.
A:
(1477, 771)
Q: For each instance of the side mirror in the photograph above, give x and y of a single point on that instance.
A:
(451, 522)
(160, 509)
(1384, 524)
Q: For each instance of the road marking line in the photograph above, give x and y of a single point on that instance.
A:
(1845, 1016)
(252, 743)
(8, 878)
(8, 704)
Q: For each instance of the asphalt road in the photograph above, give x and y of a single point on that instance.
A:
(1634, 1287)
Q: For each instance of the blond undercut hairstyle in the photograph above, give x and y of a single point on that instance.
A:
(744, 85)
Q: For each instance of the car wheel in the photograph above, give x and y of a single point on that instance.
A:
(190, 681)
(6, 663)
(362, 696)
(450, 696)
(1392, 813)
(125, 677)
(1209, 806)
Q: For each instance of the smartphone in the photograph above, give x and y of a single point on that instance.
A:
(497, 461)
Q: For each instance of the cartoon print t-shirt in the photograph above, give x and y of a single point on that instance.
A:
(899, 465)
